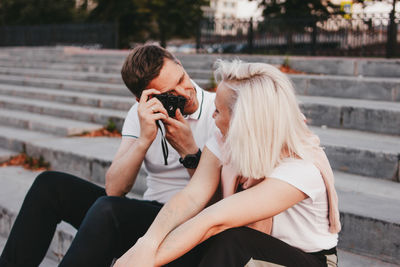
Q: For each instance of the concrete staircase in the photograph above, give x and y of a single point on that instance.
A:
(50, 95)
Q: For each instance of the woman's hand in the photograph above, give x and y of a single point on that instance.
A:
(142, 254)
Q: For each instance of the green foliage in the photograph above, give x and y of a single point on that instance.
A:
(131, 18)
(295, 15)
(137, 20)
(34, 163)
(175, 17)
(28, 12)
(111, 126)
(286, 62)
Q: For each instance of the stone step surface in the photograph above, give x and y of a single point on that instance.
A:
(372, 88)
(14, 192)
(81, 86)
(69, 97)
(75, 112)
(6, 154)
(373, 116)
(45, 123)
(350, 151)
(63, 74)
(365, 115)
(85, 157)
(370, 211)
(47, 262)
(62, 66)
(357, 152)
(324, 65)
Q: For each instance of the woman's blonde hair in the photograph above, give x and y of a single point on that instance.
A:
(266, 122)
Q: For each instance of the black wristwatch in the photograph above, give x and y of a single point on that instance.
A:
(191, 160)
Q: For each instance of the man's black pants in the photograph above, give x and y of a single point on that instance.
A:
(56, 196)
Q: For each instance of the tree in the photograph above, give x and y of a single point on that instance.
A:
(297, 14)
(175, 18)
(132, 20)
(25, 12)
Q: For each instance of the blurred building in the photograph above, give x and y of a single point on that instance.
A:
(91, 4)
(226, 15)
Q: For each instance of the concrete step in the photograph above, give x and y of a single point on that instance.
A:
(348, 259)
(78, 59)
(371, 88)
(74, 112)
(372, 67)
(356, 152)
(47, 262)
(64, 74)
(370, 216)
(69, 97)
(378, 67)
(6, 154)
(350, 151)
(61, 66)
(85, 157)
(16, 181)
(366, 115)
(44, 123)
(83, 72)
(373, 116)
(382, 89)
(81, 86)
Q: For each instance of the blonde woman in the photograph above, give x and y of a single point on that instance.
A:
(278, 205)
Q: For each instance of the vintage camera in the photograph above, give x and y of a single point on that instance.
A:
(171, 103)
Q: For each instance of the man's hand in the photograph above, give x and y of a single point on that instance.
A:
(142, 254)
(179, 135)
(149, 111)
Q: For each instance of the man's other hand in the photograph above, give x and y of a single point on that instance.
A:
(149, 111)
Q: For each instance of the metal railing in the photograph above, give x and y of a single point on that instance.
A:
(102, 35)
(359, 35)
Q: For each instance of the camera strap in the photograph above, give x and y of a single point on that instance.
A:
(164, 145)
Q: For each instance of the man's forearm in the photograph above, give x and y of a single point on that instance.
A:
(123, 171)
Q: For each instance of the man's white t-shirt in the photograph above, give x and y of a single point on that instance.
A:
(163, 181)
(306, 224)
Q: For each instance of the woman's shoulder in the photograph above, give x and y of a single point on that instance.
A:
(302, 174)
(297, 167)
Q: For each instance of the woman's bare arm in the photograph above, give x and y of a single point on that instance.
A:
(264, 200)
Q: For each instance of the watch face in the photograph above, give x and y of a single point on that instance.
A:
(191, 161)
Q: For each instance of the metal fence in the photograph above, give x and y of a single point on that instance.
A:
(102, 35)
(358, 35)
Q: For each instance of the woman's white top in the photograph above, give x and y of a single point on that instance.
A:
(306, 224)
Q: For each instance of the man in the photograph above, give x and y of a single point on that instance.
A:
(109, 225)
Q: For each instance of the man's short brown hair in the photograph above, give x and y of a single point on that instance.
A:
(142, 65)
